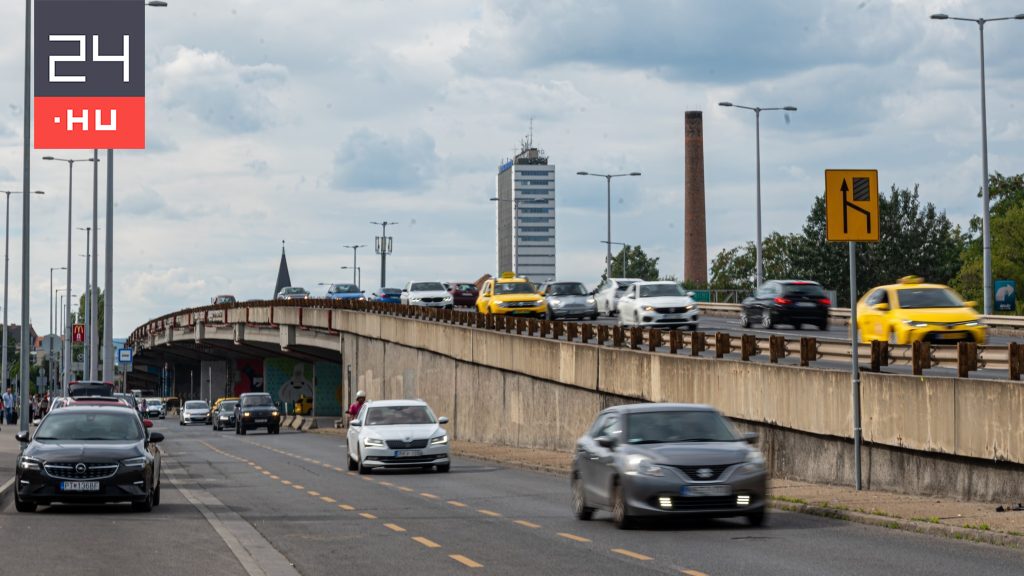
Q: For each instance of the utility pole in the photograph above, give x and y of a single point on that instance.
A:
(383, 247)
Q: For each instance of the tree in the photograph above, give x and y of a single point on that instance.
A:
(736, 268)
(1005, 213)
(637, 264)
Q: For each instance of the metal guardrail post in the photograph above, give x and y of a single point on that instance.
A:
(674, 337)
(558, 328)
(571, 331)
(617, 336)
(966, 358)
(602, 334)
(532, 327)
(697, 343)
(808, 351)
(921, 359)
(776, 348)
(636, 337)
(1016, 358)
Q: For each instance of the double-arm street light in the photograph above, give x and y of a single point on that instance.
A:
(86, 317)
(7, 244)
(986, 237)
(355, 263)
(757, 120)
(608, 178)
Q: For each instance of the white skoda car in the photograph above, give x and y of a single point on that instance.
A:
(397, 434)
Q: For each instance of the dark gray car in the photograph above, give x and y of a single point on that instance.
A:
(667, 460)
(568, 300)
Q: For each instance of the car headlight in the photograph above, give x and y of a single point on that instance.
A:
(502, 305)
(27, 463)
(414, 299)
(915, 324)
(642, 466)
(555, 302)
(439, 440)
(246, 414)
(373, 442)
(275, 413)
(648, 308)
(134, 462)
(448, 298)
(538, 302)
(591, 300)
(753, 464)
(690, 307)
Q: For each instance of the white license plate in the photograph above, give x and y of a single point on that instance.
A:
(805, 304)
(79, 486)
(261, 420)
(708, 490)
(407, 453)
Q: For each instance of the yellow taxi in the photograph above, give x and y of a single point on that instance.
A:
(510, 294)
(912, 311)
(213, 409)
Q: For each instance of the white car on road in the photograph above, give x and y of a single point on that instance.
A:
(430, 294)
(658, 305)
(397, 434)
(609, 291)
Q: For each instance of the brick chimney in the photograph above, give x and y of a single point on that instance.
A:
(695, 244)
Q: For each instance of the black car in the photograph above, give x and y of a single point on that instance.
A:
(257, 410)
(78, 388)
(224, 417)
(791, 302)
(89, 454)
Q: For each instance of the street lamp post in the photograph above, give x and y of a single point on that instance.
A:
(356, 271)
(7, 244)
(608, 178)
(63, 338)
(986, 236)
(86, 352)
(49, 355)
(355, 263)
(625, 254)
(757, 121)
(383, 247)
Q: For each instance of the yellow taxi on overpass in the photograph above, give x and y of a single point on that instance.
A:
(510, 294)
(911, 311)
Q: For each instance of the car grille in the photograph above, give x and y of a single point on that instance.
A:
(716, 471)
(398, 444)
(66, 471)
(699, 503)
(413, 460)
(431, 299)
(678, 310)
(520, 304)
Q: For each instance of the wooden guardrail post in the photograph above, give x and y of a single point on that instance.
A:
(921, 359)
(776, 348)
(748, 346)
(636, 337)
(697, 343)
(571, 331)
(808, 351)
(1016, 359)
(558, 329)
(520, 325)
(722, 344)
(586, 333)
(966, 358)
(653, 340)
(618, 336)
(602, 334)
(673, 341)
(876, 356)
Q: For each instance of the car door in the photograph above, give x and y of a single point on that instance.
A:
(872, 321)
(483, 299)
(602, 460)
(754, 304)
(586, 456)
(352, 436)
(627, 305)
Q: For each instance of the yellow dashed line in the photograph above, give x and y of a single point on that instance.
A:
(273, 477)
(488, 513)
(257, 467)
(631, 554)
(456, 504)
(527, 524)
(351, 473)
(465, 561)
(385, 483)
(692, 572)
(346, 507)
(328, 499)
(338, 469)
(286, 482)
(426, 542)
(367, 478)
(395, 527)
(573, 537)
(327, 465)
(313, 493)
(315, 461)
(367, 515)
(405, 489)
(298, 486)
(266, 472)
(428, 495)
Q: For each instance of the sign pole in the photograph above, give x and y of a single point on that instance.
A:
(855, 364)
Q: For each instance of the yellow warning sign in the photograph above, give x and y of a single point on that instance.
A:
(851, 205)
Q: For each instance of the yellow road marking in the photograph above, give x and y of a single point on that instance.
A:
(346, 507)
(426, 542)
(631, 554)
(326, 465)
(298, 486)
(428, 495)
(405, 489)
(336, 469)
(313, 493)
(328, 499)
(367, 478)
(692, 572)
(351, 473)
(466, 561)
(573, 537)
(367, 515)
(286, 482)
(315, 461)
(385, 483)
(257, 467)
(488, 513)
(527, 524)
(456, 504)
(395, 527)
(272, 477)
(266, 472)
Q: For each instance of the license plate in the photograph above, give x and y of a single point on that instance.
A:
(949, 336)
(79, 486)
(805, 304)
(261, 420)
(407, 453)
(708, 490)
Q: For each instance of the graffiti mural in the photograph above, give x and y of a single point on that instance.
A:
(287, 380)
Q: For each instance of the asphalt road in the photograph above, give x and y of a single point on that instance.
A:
(287, 503)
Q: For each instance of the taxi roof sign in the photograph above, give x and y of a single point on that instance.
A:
(911, 280)
(505, 275)
(851, 206)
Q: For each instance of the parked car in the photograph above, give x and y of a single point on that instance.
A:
(607, 293)
(463, 293)
(510, 295)
(155, 408)
(293, 293)
(223, 299)
(912, 311)
(667, 460)
(790, 302)
(89, 454)
(568, 300)
(194, 411)
(257, 410)
(90, 388)
(397, 434)
(131, 399)
(389, 295)
(429, 294)
(224, 415)
(344, 292)
(658, 305)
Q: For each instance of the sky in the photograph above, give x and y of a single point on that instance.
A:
(304, 121)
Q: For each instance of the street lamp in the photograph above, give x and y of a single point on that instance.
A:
(355, 262)
(86, 318)
(986, 236)
(7, 243)
(608, 178)
(383, 247)
(63, 338)
(356, 270)
(625, 254)
(49, 371)
(757, 116)
(71, 166)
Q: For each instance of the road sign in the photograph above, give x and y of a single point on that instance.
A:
(851, 205)
(124, 355)
(78, 333)
(1006, 295)
(90, 85)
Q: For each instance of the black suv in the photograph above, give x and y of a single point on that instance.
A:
(792, 302)
(257, 410)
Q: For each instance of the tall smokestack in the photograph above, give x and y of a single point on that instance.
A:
(695, 245)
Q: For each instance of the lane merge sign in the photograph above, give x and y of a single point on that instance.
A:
(851, 205)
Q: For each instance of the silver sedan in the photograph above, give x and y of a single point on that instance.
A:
(397, 434)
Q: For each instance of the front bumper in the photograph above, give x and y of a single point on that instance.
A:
(124, 486)
(441, 304)
(389, 458)
(537, 310)
(587, 311)
(648, 496)
(941, 334)
(258, 421)
(659, 320)
(195, 419)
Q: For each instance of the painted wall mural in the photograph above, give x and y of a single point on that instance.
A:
(287, 380)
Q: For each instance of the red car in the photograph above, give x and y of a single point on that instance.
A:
(463, 293)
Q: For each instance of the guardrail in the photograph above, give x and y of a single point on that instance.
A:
(993, 321)
(965, 357)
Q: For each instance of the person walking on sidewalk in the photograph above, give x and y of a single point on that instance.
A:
(356, 406)
(8, 399)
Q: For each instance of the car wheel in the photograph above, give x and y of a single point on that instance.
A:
(823, 325)
(443, 467)
(593, 317)
(579, 500)
(693, 327)
(547, 315)
(756, 518)
(22, 506)
(766, 320)
(236, 429)
(797, 326)
(620, 513)
(181, 422)
(156, 496)
(636, 318)
(744, 319)
(352, 464)
(144, 505)
(360, 466)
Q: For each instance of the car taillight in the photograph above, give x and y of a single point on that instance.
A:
(783, 301)
(825, 302)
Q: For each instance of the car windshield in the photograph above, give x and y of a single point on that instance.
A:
(465, 287)
(228, 406)
(390, 291)
(225, 299)
(803, 289)
(64, 425)
(567, 289)
(621, 285)
(427, 287)
(514, 288)
(928, 298)
(261, 400)
(344, 288)
(655, 290)
(196, 405)
(154, 401)
(399, 415)
(295, 290)
(678, 426)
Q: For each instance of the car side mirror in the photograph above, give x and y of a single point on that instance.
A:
(22, 437)
(881, 306)
(156, 437)
(971, 304)
(606, 442)
(442, 420)
(147, 423)
(355, 423)
(750, 438)
(690, 294)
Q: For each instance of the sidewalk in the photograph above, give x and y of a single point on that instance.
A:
(9, 450)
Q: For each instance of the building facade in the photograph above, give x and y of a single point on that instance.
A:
(525, 215)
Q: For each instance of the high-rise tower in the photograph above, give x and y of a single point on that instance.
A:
(526, 215)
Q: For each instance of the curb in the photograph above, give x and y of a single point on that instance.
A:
(4, 490)
(928, 528)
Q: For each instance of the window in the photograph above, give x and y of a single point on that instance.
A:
(566, 289)
(655, 290)
(399, 416)
(426, 287)
(535, 210)
(532, 191)
(809, 289)
(879, 296)
(927, 298)
(536, 238)
(544, 219)
(679, 426)
(536, 172)
(535, 228)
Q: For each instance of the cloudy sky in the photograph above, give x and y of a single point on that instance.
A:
(303, 121)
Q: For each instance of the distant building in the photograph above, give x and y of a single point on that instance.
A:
(283, 279)
(525, 214)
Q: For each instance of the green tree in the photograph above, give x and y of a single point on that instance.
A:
(1005, 213)
(736, 267)
(637, 264)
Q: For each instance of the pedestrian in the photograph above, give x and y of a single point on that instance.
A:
(8, 399)
(353, 410)
(33, 408)
(44, 405)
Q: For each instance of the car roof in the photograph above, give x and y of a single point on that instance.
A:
(74, 407)
(657, 407)
(652, 282)
(385, 403)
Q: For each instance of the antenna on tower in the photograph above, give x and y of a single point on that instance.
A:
(530, 141)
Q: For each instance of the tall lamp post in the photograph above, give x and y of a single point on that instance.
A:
(86, 318)
(608, 178)
(383, 247)
(63, 338)
(49, 338)
(356, 271)
(986, 236)
(7, 244)
(757, 121)
(355, 263)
